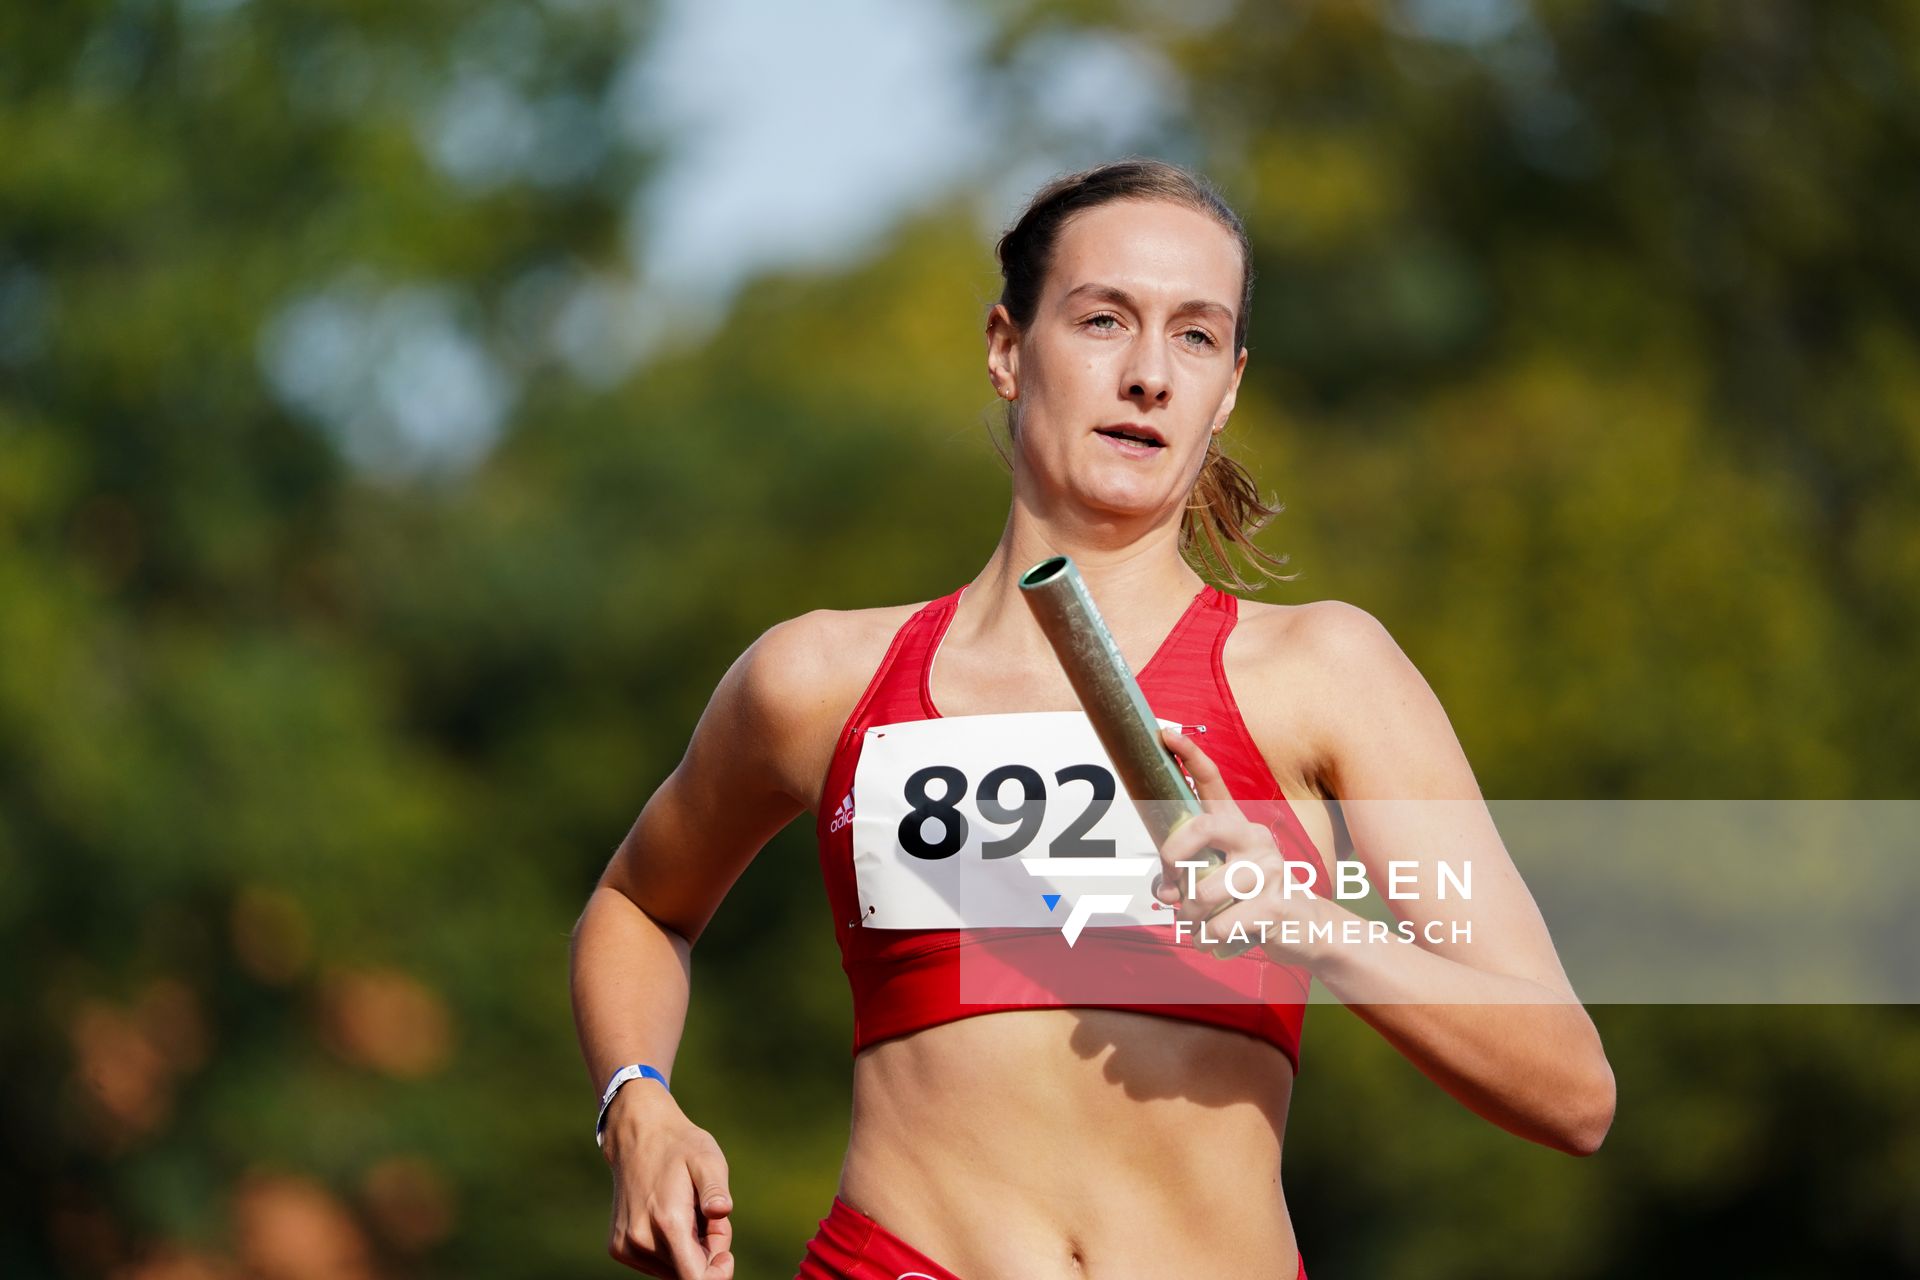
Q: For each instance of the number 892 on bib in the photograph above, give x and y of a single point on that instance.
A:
(995, 821)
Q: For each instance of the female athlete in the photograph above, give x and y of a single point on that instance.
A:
(1056, 1140)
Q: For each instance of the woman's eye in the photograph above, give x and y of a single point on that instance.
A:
(1206, 339)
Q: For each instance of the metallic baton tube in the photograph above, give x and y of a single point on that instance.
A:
(1111, 696)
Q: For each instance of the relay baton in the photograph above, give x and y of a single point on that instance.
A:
(1112, 699)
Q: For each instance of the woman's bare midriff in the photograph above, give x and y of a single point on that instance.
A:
(1076, 1144)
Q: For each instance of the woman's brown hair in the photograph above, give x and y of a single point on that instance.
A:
(1225, 508)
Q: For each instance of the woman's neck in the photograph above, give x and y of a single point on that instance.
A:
(1140, 588)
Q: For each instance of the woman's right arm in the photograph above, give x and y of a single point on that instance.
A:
(742, 779)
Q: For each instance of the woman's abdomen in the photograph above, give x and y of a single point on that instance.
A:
(1070, 1142)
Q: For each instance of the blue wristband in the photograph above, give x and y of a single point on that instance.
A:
(620, 1077)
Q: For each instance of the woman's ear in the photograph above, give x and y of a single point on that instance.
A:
(1233, 394)
(1003, 353)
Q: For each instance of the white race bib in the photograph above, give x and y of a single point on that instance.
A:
(998, 821)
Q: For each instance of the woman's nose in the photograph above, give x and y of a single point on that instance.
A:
(1147, 374)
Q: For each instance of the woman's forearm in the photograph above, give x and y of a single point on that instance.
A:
(630, 977)
(1523, 1056)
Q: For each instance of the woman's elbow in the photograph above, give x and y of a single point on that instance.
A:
(1587, 1115)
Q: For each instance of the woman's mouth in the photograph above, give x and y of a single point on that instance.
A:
(1132, 442)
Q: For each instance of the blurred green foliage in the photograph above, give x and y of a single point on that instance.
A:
(1584, 355)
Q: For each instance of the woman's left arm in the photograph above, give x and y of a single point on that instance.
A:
(1490, 1017)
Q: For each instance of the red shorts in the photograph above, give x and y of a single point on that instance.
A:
(852, 1246)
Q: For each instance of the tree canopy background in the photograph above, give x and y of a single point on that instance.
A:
(346, 621)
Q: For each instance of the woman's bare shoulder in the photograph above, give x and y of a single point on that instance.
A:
(806, 674)
(1316, 627)
(827, 648)
(1297, 669)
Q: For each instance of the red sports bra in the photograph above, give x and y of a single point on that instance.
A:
(904, 980)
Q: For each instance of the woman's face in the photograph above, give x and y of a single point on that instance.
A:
(1133, 333)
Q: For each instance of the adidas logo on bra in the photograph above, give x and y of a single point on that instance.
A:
(843, 815)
